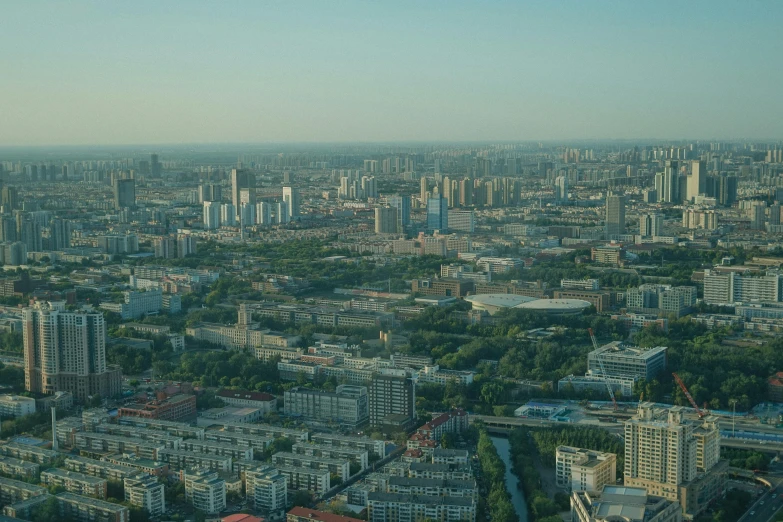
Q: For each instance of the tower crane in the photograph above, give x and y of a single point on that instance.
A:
(603, 371)
(684, 389)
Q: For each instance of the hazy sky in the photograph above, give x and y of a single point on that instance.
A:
(191, 71)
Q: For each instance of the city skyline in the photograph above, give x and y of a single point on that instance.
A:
(301, 73)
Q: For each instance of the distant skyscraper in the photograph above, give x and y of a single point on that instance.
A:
(291, 198)
(186, 245)
(8, 229)
(758, 214)
(240, 179)
(9, 197)
(66, 351)
(650, 225)
(615, 215)
(282, 213)
(369, 187)
(211, 215)
(403, 206)
(155, 166)
(424, 188)
(59, 234)
(561, 189)
(209, 192)
(228, 215)
(670, 183)
(124, 193)
(437, 213)
(32, 236)
(727, 190)
(247, 214)
(466, 192)
(263, 213)
(697, 181)
(247, 196)
(774, 214)
(385, 220)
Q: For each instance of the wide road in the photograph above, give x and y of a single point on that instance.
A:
(767, 505)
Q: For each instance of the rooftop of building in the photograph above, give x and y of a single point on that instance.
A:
(315, 515)
(93, 502)
(246, 395)
(620, 348)
(420, 499)
(75, 475)
(429, 482)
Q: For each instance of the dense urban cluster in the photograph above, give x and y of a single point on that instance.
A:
(337, 333)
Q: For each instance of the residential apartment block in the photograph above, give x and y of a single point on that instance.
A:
(348, 405)
(584, 470)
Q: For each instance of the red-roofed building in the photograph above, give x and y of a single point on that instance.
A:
(775, 387)
(247, 399)
(241, 517)
(454, 421)
(301, 514)
(413, 455)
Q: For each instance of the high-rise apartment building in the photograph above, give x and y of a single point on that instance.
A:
(155, 167)
(650, 225)
(209, 192)
(124, 193)
(228, 215)
(392, 399)
(437, 213)
(659, 454)
(282, 213)
(615, 215)
(403, 206)
(385, 220)
(9, 197)
(211, 215)
(291, 199)
(674, 458)
(66, 351)
(263, 213)
(697, 180)
(561, 189)
(59, 234)
(240, 179)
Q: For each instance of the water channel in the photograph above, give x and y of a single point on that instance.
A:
(517, 497)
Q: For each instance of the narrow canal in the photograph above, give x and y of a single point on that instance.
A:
(517, 497)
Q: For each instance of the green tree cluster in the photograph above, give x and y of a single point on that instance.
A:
(497, 502)
(540, 507)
